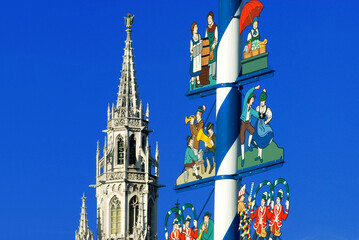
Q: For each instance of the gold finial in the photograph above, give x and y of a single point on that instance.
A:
(129, 20)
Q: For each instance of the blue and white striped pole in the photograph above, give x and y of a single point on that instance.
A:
(228, 113)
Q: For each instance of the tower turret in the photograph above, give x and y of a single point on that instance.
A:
(127, 174)
(84, 232)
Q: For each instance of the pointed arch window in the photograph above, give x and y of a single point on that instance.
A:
(132, 155)
(115, 208)
(133, 214)
(123, 102)
(120, 150)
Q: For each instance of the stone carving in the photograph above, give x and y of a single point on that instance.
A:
(136, 176)
(134, 122)
(116, 123)
(114, 176)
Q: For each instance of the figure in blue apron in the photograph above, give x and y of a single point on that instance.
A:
(195, 50)
(263, 134)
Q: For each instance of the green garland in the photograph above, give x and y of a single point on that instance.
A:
(262, 184)
(284, 182)
(180, 213)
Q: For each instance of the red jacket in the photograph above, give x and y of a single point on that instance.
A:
(261, 217)
(189, 233)
(176, 235)
(278, 216)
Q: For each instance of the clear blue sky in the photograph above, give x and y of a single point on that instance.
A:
(59, 67)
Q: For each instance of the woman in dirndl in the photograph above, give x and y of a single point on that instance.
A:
(263, 135)
(195, 50)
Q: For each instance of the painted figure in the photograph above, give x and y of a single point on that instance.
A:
(253, 37)
(263, 134)
(212, 35)
(196, 127)
(189, 233)
(246, 117)
(195, 50)
(210, 148)
(207, 227)
(190, 160)
(243, 211)
(261, 215)
(278, 215)
(176, 233)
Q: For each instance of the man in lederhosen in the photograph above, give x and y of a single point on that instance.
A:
(246, 117)
(195, 127)
(191, 160)
(210, 151)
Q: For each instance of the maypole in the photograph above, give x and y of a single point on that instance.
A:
(217, 68)
(228, 111)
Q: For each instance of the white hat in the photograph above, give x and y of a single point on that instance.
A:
(242, 191)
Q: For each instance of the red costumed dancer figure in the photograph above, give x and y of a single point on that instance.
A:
(261, 215)
(278, 215)
(189, 233)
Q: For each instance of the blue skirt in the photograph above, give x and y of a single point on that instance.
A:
(263, 134)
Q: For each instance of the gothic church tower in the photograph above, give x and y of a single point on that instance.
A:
(127, 175)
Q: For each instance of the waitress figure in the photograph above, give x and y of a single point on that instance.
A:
(195, 50)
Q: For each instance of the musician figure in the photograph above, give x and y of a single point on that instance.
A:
(207, 227)
(195, 127)
(210, 148)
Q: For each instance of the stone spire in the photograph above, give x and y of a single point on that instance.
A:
(128, 104)
(126, 182)
(84, 232)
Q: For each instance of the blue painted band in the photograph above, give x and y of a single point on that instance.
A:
(226, 9)
(232, 233)
(228, 119)
(229, 176)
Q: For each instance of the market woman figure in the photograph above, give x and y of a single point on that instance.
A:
(253, 37)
